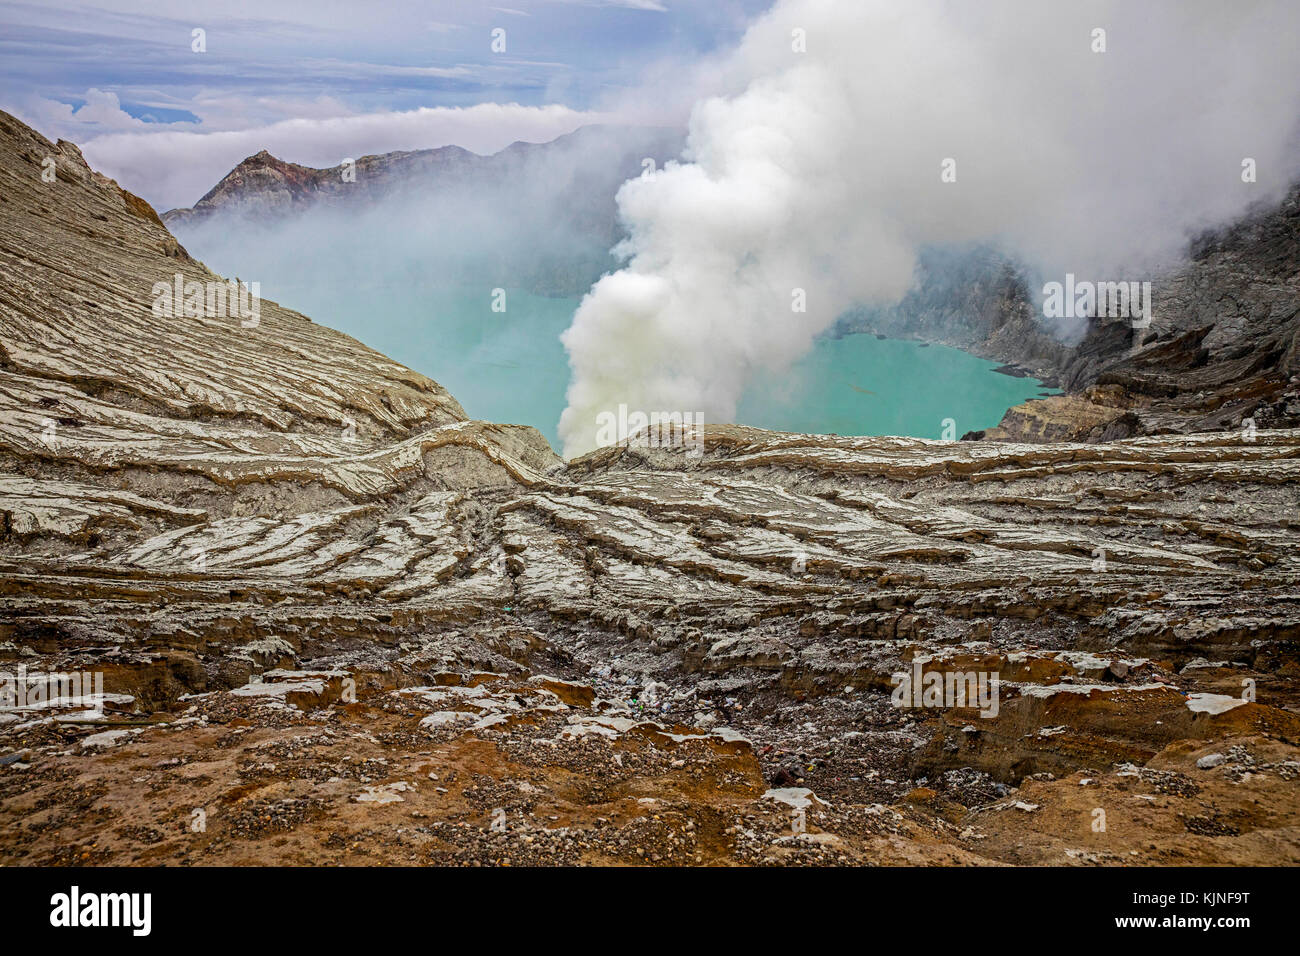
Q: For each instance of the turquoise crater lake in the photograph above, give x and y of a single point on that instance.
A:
(511, 367)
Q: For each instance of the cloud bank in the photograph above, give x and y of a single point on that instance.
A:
(822, 176)
(176, 168)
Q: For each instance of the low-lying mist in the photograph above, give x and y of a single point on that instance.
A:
(466, 268)
(540, 217)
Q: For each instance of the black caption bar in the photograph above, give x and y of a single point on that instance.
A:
(142, 906)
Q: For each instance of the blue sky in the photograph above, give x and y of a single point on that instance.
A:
(319, 79)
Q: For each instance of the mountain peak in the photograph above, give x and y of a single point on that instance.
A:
(261, 157)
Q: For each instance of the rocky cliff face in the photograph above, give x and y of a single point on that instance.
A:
(1221, 347)
(972, 298)
(338, 622)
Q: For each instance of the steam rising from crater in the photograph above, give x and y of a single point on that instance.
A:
(822, 173)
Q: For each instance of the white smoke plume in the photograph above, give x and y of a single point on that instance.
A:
(823, 173)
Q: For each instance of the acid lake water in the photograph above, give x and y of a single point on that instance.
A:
(510, 366)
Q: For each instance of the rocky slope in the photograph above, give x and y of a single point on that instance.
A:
(972, 298)
(1221, 347)
(338, 622)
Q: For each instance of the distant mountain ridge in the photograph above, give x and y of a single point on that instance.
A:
(564, 187)
(263, 184)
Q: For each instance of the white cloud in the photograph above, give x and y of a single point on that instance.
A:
(105, 109)
(101, 112)
(175, 167)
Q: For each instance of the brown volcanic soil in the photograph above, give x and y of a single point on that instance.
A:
(364, 783)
